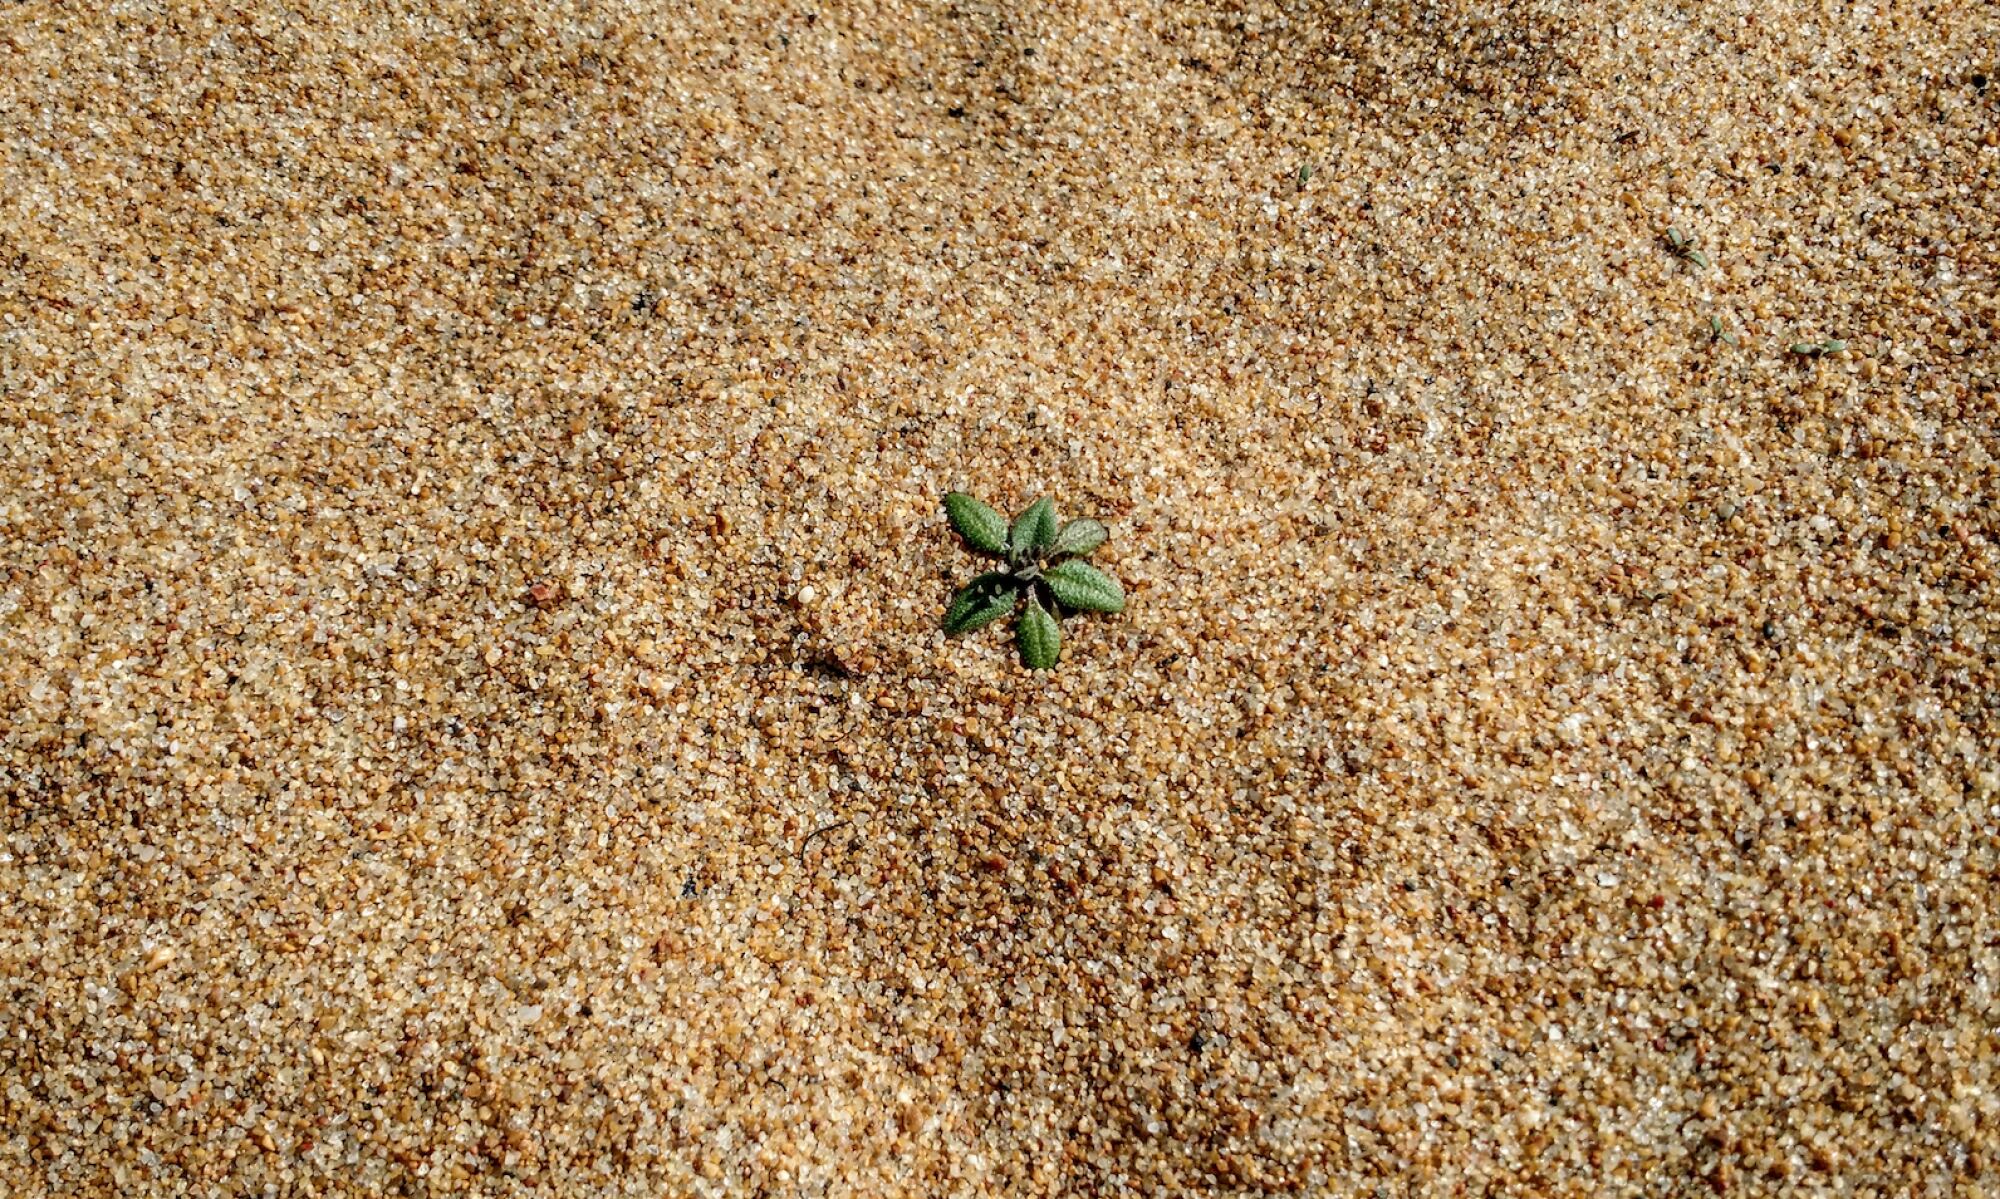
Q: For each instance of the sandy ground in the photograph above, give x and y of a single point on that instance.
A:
(472, 714)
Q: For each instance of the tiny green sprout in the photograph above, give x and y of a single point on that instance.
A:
(1818, 349)
(1044, 563)
(1683, 247)
(1305, 174)
(1719, 332)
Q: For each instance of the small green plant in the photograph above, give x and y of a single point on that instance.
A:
(1683, 247)
(1717, 331)
(1044, 563)
(1818, 349)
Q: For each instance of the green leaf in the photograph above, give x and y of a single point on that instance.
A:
(1034, 528)
(981, 526)
(1805, 347)
(1039, 638)
(1080, 537)
(1080, 585)
(981, 602)
(1698, 258)
(1834, 346)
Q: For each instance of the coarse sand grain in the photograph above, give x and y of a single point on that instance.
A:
(473, 717)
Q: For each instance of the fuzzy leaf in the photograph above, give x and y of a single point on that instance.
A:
(1080, 585)
(1039, 638)
(1080, 537)
(980, 525)
(1034, 528)
(981, 602)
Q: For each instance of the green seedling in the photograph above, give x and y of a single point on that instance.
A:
(1683, 247)
(1044, 564)
(1818, 349)
(1718, 332)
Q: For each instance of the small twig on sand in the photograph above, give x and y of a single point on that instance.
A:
(807, 843)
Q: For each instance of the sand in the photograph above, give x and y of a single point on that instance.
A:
(473, 719)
